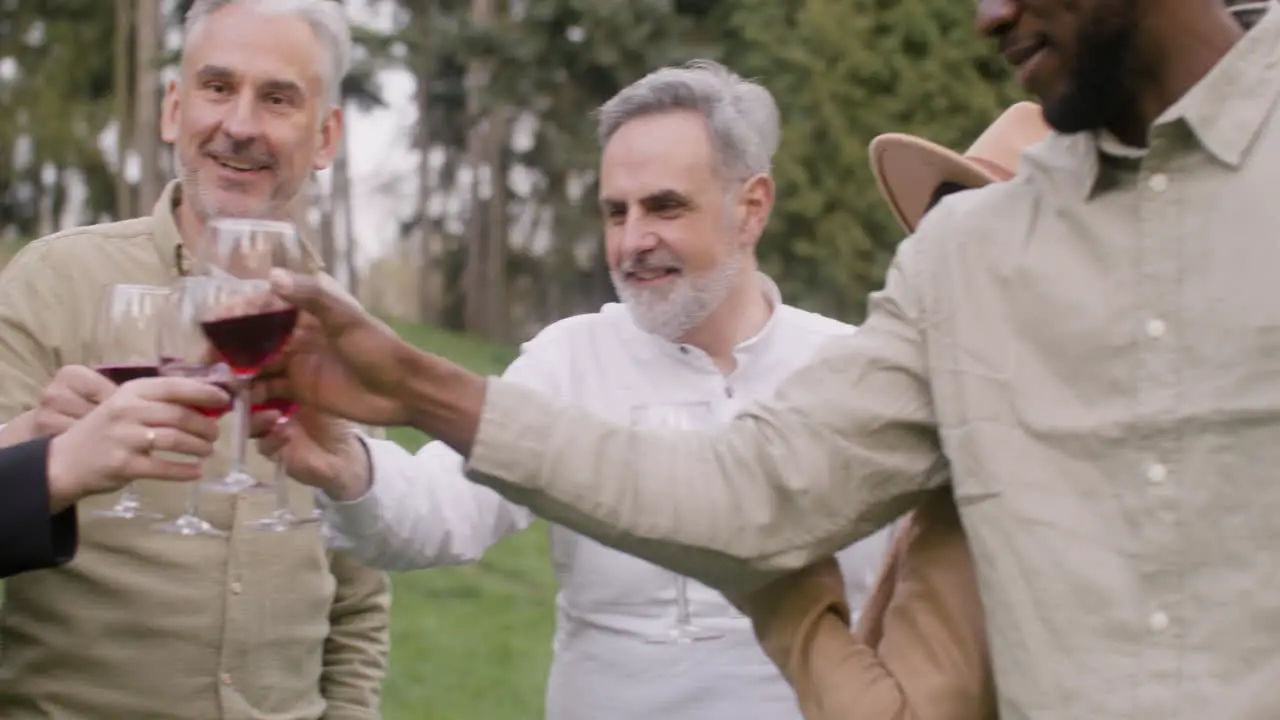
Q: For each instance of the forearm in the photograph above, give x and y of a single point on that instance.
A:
(19, 429)
(421, 512)
(444, 400)
(356, 651)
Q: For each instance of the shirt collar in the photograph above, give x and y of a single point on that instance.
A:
(752, 344)
(1224, 113)
(168, 239)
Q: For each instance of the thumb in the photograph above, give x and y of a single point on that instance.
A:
(311, 296)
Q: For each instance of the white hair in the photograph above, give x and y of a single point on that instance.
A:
(741, 115)
(327, 19)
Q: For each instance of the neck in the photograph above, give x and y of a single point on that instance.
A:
(740, 317)
(1183, 45)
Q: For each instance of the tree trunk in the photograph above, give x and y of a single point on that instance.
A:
(147, 102)
(323, 201)
(121, 92)
(343, 221)
(479, 72)
(430, 245)
(496, 228)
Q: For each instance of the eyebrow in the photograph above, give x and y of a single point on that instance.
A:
(667, 198)
(218, 72)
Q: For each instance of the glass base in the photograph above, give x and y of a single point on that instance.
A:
(282, 521)
(233, 483)
(685, 635)
(189, 525)
(127, 509)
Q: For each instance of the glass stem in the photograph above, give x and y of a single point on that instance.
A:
(129, 497)
(682, 602)
(282, 489)
(242, 426)
(192, 508)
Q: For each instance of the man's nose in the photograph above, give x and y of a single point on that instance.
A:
(637, 236)
(241, 122)
(994, 17)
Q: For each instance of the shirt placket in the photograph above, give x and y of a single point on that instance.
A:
(1157, 507)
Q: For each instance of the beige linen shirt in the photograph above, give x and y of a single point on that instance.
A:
(147, 625)
(1089, 354)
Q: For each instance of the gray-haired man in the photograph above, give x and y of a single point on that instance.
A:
(143, 624)
(685, 192)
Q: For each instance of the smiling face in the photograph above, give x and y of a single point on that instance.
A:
(1080, 58)
(249, 118)
(677, 240)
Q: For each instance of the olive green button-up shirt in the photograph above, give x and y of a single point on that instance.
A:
(1089, 354)
(147, 625)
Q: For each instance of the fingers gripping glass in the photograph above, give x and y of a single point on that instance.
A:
(184, 351)
(245, 322)
(680, 416)
(283, 517)
(122, 348)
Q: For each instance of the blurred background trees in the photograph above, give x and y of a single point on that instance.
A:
(498, 232)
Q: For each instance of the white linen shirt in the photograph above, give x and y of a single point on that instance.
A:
(421, 512)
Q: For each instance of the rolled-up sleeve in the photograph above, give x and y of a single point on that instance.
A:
(849, 443)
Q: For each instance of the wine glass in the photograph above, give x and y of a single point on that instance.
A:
(122, 348)
(247, 324)
(283, 517)
(184, 351)
(678, 416)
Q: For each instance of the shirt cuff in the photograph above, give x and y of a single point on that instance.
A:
(362, 517)
(514, 432)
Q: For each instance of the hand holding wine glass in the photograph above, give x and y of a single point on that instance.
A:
(73, 392)
(344, 361)
(321, 451)
(119, 439)
(245, 322)
(184, 352)
(122, 348)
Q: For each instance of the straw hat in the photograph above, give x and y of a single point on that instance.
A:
(908, 169)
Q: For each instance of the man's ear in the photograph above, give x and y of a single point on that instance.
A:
(169, 112)
(755, 205)
(331, 129)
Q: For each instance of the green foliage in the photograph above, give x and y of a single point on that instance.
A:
(844, 71)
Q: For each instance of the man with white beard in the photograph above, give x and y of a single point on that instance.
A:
(685, 192)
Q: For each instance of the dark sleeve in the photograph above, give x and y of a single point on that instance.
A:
(30, 539)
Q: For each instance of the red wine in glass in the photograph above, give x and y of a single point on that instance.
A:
(213, 374)
(121, 374)
(247, 342)
(217, 412)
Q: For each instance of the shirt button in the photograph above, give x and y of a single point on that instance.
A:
(1158, 182)
(728, 391)
(1158, 621)
(1155, 328)
(225, 678)
(1157, 473)
(236, 588)
(684, 349)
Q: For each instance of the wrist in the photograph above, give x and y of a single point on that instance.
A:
(19, 429)
(443, 400)
(65, 488)
(354, 474)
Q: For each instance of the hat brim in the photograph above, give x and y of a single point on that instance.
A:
(908, 169)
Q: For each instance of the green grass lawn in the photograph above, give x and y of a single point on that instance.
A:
(471, 643)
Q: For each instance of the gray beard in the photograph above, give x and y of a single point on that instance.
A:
(672, 312)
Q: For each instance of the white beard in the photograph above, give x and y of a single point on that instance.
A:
(671, 311)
